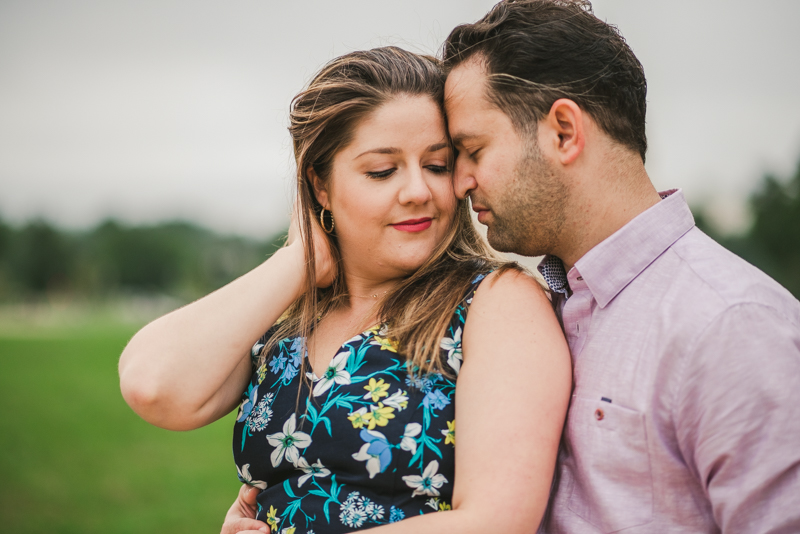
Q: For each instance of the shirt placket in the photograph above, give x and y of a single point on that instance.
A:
(576, 314)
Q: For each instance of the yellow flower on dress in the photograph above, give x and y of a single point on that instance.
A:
(262, 372)
(377, 329)
(360, 417)
(450, 433)
(384, 343)
(376, 389)
(380, 338)
(273, 519)
(443, 507)
(380, 415)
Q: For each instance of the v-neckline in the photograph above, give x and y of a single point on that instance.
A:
(365, 334)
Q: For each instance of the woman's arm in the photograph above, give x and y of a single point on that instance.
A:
(190, 367)
(511, 402)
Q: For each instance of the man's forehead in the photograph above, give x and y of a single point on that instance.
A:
(466, 80)
(466, 100)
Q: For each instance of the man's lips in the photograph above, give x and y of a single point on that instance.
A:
(414, 225)
(481, 211)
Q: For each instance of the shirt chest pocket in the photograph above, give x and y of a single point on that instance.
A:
(612, 482)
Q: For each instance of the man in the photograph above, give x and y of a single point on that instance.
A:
(686, 359)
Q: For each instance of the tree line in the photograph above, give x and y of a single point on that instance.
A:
(772, 243)
(177, 258)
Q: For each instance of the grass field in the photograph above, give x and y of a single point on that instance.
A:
(75, 459)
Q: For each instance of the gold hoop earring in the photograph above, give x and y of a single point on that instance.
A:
(322, 221)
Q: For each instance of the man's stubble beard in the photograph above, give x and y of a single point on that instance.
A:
(529, 217)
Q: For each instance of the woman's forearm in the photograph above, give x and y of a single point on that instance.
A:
(189, 367)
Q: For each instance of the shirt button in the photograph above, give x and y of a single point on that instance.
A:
(580, 279)
(599, 415)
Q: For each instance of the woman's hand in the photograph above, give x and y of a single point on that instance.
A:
(323, 259)
(240, 519)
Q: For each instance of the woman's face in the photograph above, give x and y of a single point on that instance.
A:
(390, 189)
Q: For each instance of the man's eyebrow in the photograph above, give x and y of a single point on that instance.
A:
(382, 150)
(461, 138)
(438, 146)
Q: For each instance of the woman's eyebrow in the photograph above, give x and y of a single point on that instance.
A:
(392, 150)
(382, 150)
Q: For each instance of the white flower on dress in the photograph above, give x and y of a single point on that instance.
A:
(314, 470)
(261, 414)
(427, 484)
(288, 443)
(246, 477)
(380, 455)
(373, 462)
(453, 348)
(433, 503)
(374, 511)
(356, 510)
(352, 512)
(398, 400)
(335, 373)
(408, 443)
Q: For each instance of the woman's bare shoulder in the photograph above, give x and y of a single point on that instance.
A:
(513, 288)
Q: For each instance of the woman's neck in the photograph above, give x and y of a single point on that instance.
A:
(361, 288)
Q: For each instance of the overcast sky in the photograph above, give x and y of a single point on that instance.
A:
(154, 110)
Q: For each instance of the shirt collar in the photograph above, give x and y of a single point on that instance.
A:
(611, 265)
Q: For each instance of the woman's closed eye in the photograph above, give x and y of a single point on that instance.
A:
(438, 169)
(381, 175)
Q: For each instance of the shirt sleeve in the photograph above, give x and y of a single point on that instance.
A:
(737, 422)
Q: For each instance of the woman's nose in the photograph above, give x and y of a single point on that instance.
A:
(416, 189)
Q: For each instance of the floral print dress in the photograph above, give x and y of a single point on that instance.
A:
(371, 445)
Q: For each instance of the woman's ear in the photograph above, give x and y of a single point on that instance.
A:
(319, 188)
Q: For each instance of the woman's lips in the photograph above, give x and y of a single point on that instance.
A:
(414, 225)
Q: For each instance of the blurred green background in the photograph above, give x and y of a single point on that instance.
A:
(76, 459)
(73, 456)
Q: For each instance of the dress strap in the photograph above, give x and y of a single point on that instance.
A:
(476, 282)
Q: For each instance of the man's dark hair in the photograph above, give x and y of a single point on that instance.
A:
(537, 51)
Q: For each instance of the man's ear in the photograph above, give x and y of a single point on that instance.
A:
(565, 130)
(319, 188)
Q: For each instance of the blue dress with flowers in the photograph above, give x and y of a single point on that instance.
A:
(372, 445)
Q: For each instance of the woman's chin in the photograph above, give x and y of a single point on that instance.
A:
(409, 265)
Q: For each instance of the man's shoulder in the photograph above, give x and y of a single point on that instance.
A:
(709, 276)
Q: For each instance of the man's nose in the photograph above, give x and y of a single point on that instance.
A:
(463, 180)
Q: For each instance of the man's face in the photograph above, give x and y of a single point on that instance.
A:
(517, 193)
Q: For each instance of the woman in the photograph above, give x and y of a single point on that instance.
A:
(382, 298)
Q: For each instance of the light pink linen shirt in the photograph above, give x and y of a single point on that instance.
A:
(685, 414)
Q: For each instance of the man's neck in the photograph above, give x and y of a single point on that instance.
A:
(601, 206)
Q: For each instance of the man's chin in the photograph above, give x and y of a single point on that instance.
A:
(511, 243)
(501, 241)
